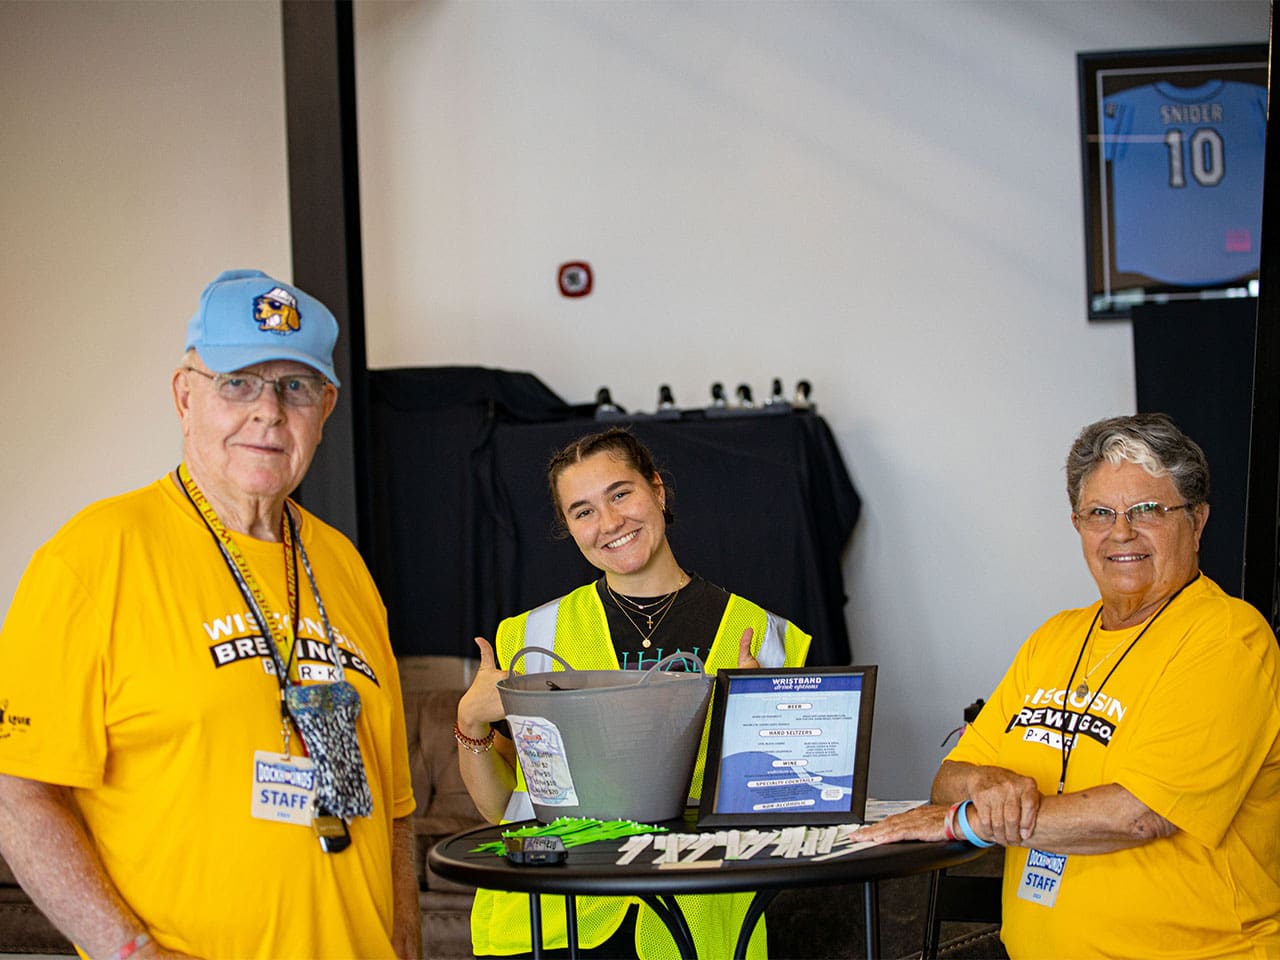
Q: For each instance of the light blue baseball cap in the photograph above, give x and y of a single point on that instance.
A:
(246, 317)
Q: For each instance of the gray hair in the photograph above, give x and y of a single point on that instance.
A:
(1152, 441)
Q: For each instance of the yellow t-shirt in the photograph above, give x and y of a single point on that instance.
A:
(1189, 723)
(132, 671)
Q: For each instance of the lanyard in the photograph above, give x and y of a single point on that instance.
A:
(1093, 694)
(283, 636)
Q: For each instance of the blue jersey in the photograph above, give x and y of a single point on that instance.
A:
(1186, 168)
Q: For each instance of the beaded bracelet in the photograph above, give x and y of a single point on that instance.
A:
(132, 947)
(483, 745)
(962, 820)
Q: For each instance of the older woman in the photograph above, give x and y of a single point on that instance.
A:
(1130, 758)
(610, 497)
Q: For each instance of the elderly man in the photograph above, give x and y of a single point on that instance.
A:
(206, 754)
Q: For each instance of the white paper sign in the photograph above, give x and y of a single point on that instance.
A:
(542, 758)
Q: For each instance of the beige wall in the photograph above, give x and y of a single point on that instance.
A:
(882, 197)
(143, 151)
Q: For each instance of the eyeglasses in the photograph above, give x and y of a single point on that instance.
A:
(296, 390)
(1149, 513)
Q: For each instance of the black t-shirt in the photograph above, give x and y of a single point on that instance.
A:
(688, 626)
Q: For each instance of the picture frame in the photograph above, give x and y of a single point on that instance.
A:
(788, 746)
(1172, 153)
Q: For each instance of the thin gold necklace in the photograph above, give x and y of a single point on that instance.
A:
(1097, 618)
(641, 607)
(646, 639)
(1082, 690)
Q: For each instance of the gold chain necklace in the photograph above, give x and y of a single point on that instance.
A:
(666, 603)
(641, 607)
(1082, 690)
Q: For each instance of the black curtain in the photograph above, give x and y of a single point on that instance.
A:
(464, 533)
(1194, 361)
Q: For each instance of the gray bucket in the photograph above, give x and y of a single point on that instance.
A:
(606, 744)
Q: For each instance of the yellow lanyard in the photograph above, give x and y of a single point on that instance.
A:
(283, 632)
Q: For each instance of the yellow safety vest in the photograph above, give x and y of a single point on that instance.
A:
(575, 627)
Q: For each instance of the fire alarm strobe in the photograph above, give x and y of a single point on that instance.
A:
(575, 278)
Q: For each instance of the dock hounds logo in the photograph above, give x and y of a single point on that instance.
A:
(277, 311)
(10, 722)
(288, 774)
(1051, 713)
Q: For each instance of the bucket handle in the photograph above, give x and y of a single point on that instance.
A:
(660, 666)
(511, 670)
(672, 658)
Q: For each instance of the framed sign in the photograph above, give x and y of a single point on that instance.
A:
(1172, 149)
(788, 746)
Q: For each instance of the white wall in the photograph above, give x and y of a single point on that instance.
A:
(881, 197)
(143, 152)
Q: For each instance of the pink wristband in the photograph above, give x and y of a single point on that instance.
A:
(132, 947)
(949, 822)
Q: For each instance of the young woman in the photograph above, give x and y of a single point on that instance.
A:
(610, 498)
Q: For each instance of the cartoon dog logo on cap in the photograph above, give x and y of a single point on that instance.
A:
(277, 311)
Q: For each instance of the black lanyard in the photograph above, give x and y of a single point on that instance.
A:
(1067, 715)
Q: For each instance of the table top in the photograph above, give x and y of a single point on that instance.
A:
(593, 868)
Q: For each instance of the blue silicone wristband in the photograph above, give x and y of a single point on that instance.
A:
(962, 818)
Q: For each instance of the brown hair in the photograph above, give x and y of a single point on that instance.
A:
(620, 444)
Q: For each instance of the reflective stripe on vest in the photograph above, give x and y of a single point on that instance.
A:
(540, 631)
(773, 651)
(519, 807)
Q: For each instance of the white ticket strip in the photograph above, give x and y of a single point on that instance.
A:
(685, 850)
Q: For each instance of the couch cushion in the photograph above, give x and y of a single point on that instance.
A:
(24, 929)
(446, 925)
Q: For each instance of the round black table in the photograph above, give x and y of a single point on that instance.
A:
(592, 869)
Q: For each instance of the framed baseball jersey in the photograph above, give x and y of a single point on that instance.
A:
(1173, 145)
